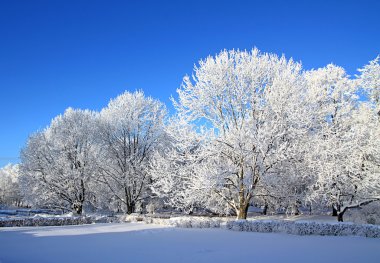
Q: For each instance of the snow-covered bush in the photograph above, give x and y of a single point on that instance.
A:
(369, 214)
(134, 217)
(304, 228)
(185, 222)
(195, 222)
(153, 206)
(44, 221)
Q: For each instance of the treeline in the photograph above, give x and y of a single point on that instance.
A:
(249, 128)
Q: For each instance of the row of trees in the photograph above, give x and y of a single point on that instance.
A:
(250, 128)
(99, 158)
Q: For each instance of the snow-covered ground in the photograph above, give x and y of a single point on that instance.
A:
(139, 242)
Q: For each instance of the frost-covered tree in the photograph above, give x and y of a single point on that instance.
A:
(359, 180)
(287, 191)
(171, 166)
(130, 130)
(344, 139)
(333, 98)
(58, 164)
(9, 185)
(253, 110)
(174, 170)
(370, 81)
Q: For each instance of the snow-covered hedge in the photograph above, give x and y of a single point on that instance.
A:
(189, 222)
(305, 228)
(44, 221)
(95, 218)
(264, 226)
(28, 212)
(185, 222)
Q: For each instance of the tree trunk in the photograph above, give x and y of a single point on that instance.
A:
(243, 210)
(78, 208)
(295, 210)
(243, 198)
(131, 208)
(340, 217)
(341, 213)
(78, 205)
(335, 211)
(265, 210)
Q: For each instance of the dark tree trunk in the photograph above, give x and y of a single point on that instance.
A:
(131, 208)
(78, 208)
(341, 213)
(295, 209)
(265, 210)
(340, 217)
(78, 205)
(243, 210)
(334, 211)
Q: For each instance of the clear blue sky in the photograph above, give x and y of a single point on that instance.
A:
(59, 54)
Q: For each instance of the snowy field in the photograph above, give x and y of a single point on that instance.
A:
(139, 242)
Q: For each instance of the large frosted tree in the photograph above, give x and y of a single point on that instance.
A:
(57, 164)
(130, 130)
(252, 107)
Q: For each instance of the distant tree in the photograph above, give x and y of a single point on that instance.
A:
(9, 185)
(130, 130)
(57, 164)
(369, 79)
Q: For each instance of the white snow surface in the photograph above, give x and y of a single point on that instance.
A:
(139, 242)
